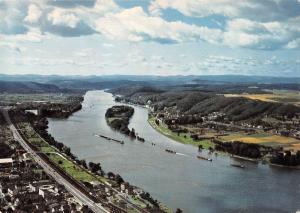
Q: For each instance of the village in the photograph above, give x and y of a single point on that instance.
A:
(275, 141)
(26, 186)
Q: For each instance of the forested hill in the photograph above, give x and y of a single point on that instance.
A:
(198, 102)
(29, 87)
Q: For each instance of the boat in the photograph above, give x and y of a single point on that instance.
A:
(140, 139)
(238, 165)
(204, 158)
(109, 139)
(244, 158)
(170, 151)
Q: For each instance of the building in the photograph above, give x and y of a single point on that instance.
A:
(6, 162)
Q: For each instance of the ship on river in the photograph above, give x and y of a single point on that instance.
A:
(108, 138)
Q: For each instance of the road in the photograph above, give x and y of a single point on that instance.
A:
(95, 207)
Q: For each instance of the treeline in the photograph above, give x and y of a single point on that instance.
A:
(60, 110)
(185, 119)
(239, 148)
(190, 102)
(117, 117)
(28, 87)
(286, 158)
(40, 125)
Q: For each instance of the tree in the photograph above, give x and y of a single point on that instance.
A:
(83, 163)
(67, 150)
(119, 179)
(110, 175)
(94, 167)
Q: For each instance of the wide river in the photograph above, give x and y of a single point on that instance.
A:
(178, 180)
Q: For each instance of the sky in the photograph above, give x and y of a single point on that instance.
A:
(150, 37)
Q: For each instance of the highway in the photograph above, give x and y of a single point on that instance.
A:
(95, 207)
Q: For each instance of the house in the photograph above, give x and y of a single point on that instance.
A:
(6, 162)
(14, 189)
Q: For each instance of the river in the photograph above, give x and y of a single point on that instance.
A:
(179, 181)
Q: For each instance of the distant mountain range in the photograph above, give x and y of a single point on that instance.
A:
(27, 87)
(152, 78)
(216, 83)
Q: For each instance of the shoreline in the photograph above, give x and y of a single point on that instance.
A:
(206, 144)
(283, 166)
(69, 165)
(252, 160)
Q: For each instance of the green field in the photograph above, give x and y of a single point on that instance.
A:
(77, 172)
(71, 168)
(58, 158)
(182, 138)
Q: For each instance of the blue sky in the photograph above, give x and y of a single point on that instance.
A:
(157, 37)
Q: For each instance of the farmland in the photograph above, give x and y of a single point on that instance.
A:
(281, 96)
(265, 139)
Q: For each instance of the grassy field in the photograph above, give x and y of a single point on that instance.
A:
(265, 139)
(71, 168)
(281, 96)
(182, 138)
(66, 164)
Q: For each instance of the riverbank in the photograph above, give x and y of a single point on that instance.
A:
(206, 144)
(173, 178)
(283, 166)
(90, 176)
(181, 138)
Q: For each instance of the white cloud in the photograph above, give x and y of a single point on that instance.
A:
(33, 35)
(63, 17)
(263, 10)
(261, 35)
(12, 47)
(108, 45)
(135, 25)
(32, 61)
(105, 6)
(295, 44)
(252, 24)
(33, 14)
(198, 8)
